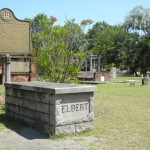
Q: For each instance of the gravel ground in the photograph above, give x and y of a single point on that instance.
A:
(29, 139)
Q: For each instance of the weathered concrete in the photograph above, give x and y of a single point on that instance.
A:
(145, 81)
(57, 107)
(30, 139)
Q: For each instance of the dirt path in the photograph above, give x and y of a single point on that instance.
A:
(29, 139)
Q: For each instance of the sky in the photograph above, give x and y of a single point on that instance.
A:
(111, 11)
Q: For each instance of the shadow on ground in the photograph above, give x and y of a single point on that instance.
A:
(20, 127)
(31, 134)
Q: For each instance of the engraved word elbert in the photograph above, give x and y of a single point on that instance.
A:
(74, 107)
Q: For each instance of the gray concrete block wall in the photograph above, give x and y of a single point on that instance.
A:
(29, 106)
(61, 113)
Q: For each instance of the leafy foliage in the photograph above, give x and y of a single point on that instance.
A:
(107, 41)
(60, 49)
(137, 25)
(138, 19)
(126, 45)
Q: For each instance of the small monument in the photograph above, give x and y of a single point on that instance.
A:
(56, 107)
(91, 72)
(113, 72)
(145, 81)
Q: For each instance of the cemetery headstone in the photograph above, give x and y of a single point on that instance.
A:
(113, 72)
(145, 81)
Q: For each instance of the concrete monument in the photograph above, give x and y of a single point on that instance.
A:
(60, 108)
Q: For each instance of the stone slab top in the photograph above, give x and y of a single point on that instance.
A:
(49, 87)
(133, 80)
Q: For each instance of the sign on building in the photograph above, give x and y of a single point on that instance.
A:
(14, 34)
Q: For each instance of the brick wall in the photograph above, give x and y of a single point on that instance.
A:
(94, 76)
(25, 76)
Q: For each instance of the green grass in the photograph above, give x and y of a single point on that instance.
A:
(123, 78)
(122, 116)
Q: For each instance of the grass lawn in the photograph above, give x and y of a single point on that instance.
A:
(122, 116)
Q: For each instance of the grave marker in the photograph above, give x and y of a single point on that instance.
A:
(56, 107)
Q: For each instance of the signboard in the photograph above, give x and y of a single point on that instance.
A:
(22, 67)
(14, 34)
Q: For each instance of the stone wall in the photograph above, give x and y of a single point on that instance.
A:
(103, 74)
(94, 76)
(60, 108)
(23, 69)
(20, 77)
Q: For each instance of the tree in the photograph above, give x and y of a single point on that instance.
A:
(144, 53)
(131, 49)
(108, 41)
(138, 20)
(60, 50)
(38, 23)
(92, 33)
(138, 23)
